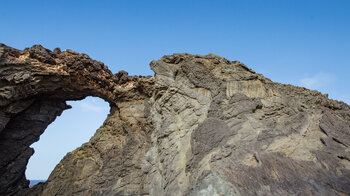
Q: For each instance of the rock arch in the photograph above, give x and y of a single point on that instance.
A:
(35, 85)
(201, 125)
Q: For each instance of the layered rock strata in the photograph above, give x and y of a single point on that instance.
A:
(203, 125)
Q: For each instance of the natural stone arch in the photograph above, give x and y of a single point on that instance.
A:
(202, 125)
(35, 85)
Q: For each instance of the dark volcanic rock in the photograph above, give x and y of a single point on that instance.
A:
(202, 125)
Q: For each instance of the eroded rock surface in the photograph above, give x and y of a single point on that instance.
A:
(35, 85)
(202, 125)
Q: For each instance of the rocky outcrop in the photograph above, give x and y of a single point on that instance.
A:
(35, 85)
(222, 129)
(202, 125)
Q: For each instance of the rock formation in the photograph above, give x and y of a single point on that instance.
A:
(203, 125)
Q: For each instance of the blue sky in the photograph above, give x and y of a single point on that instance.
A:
(305, 43)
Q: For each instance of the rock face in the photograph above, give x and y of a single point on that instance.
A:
(202, 125)
(35, 84)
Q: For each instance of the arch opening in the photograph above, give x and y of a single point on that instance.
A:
(36, 84)
(68, 132)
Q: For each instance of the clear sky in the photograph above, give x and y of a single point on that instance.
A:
(300, 42)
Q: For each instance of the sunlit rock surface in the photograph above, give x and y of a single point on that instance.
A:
(203, 125)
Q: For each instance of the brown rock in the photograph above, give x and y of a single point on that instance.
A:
(203, 125)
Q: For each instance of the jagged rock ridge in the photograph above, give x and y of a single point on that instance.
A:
(202, 125)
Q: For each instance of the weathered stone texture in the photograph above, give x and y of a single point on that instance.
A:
(203, 125)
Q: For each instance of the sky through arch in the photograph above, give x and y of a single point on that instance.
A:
(69, 131)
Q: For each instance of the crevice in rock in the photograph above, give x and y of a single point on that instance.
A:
(339, 142)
